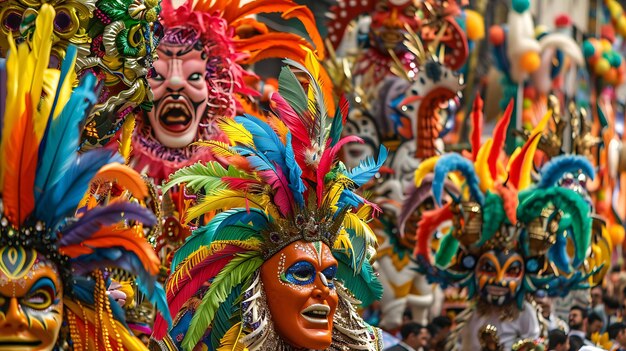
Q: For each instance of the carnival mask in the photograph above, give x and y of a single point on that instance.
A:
(499, 276)
(363, 126)
(180, 94)
(298, 282)
(31, 304)
(388, 23)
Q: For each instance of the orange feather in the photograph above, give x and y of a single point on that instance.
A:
(21, 160)
(111, 237)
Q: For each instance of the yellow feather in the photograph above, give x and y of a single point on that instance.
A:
(126, 137)
(360, 228)
(235, 132)
(185, 266)
(336, 188)
(343, 243)
(527, 164)
(425, 167)
(38, 63)
(222, 199)
(218, 148)
(11, 112)
(482, 166)
(230, 340)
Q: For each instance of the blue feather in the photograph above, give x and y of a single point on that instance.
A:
(265, 139)
(295, 173)
(59, 151)
(349, 198)
(156, 295)
(558, 254)
(66, 65)
(455, 162)
(83, 288)
(553, 171)
(63, 198)
(204, 235)
(98, 217)
(367, 168)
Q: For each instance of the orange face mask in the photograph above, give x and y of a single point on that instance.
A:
(31, 301)
(298, 283)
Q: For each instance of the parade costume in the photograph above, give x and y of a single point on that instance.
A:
(59, 231)
(405, 83)
(200, 75)
(509, 236)
(287, 261)
(115, 40)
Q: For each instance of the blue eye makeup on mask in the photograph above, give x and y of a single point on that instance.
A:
(330, 273)
(300, 273)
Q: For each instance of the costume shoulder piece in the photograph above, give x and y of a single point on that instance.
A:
(286, 262)
(59, 231)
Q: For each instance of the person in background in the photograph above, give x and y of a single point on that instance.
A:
(596, 297)
(611, 310)
(444, 324)
(436, 337)
(577, 327)
(558, 341)
(415, 337)
(594, 324)
(545, 302)
(617, 335)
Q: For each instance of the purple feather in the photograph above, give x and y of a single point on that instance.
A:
(98, 217)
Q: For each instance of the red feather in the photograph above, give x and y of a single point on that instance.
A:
(240, 183)
(499, 135)
(344, 108)
(477, 125)
(427, 227)
(189, 284)
(289, 116)
(516, 164)
(21, 166)
(282, 195)
(329, 155)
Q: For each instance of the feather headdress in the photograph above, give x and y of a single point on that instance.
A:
(501, 209)
(284, 183)
(46, 204)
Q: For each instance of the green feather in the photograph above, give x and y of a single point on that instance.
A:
(447, 249)
(200, 237)
(204, 177)
(291, 90)
(222, 322)
(237, 231)
(336, 127)
(234, 273)
(364, 285)
(493, 216)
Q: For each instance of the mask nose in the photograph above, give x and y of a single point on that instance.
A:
(15, 319)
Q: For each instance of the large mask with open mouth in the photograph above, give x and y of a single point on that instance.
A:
(388, 23)
(31, 300)
(180, 94)
(301, 296)
(499, 276)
